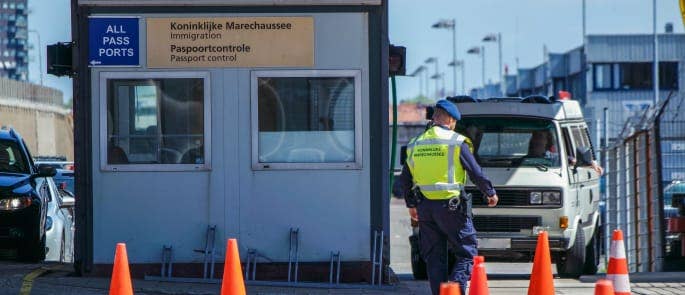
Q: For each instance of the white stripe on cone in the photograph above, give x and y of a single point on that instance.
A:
(621, 282)
(617, 250)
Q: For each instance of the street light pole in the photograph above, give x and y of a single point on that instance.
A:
(40, 56)
(501, 69)
(497, 37)
(584, 11)
(452, 25)
(434, 60)
(656, 56)
(482, 55)
(454, 53)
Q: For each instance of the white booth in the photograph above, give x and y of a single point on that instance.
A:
(256, 118)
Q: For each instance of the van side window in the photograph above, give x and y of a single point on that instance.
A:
(586, 137)
(580, 137)
(567, 142)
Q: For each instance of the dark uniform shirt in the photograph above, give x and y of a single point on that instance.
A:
(404, 182)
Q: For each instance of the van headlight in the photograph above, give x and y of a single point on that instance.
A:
(15, 203)
(535, 198)
(551, 198)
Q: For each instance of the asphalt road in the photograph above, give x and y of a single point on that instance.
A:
(503, 278)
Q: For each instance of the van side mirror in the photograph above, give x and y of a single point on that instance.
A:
(583, 156)
(403, 155)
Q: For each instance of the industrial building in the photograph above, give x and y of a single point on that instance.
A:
(38, 114)
(14, 60)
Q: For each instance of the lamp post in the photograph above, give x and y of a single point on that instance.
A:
(435, 61)
(40, 56)
(460, 64)
(418, 72)
(656, 56)
(451, 25)
(438, 77)
(497, 38)
(479, 51)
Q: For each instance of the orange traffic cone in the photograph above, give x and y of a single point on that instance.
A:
(232, 283)
(604, 287)
(121, 276)
(477, 260)
(450, 289)
(479, 280)
(617, 271)
(541, 279)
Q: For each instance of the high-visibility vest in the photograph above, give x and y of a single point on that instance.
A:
(433, 160)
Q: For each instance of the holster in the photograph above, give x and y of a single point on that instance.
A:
(466, 204)
(413, 196)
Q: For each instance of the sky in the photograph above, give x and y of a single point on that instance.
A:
(526, 27)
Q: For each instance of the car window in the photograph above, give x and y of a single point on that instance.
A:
(12, 159)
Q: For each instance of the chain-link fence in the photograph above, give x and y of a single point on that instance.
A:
(634, 183)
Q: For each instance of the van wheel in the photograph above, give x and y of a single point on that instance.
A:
(592, 253)
(571, 263)
(418, 265)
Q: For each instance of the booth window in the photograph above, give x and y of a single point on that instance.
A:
(306, 119)
(156, 122)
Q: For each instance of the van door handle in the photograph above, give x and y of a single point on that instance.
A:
(589, 175)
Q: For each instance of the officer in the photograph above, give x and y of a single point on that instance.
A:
(432, 183)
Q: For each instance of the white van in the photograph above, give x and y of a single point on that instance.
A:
(538, 154)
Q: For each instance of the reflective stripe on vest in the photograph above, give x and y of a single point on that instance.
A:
(441, 187)
(435, 186)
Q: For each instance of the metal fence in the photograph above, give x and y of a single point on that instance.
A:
(634, 182)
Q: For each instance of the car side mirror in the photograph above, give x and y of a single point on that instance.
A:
(68, 202)
(46, 171)
(583, 156)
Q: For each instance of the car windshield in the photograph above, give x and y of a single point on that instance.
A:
(12, 160)
(512, 142)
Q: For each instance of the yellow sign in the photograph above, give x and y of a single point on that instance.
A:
(230, 42)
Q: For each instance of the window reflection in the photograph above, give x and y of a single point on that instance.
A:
(155, 121)
(306, 119)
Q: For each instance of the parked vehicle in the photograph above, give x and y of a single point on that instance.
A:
(64, 179)
(57, 162)
(59, 225)
(24, 198)
(538, 155)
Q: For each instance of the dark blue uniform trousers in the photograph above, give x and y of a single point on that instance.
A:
(437, 226)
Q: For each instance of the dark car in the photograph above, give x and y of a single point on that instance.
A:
(24, 197)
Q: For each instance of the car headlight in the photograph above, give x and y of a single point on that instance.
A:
(15, 203)
(535, 198)
(551, 198)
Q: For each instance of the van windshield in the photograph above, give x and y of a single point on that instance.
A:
(512, 142)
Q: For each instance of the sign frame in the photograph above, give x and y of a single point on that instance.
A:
(137, 51)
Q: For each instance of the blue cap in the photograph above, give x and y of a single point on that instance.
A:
(450, 108)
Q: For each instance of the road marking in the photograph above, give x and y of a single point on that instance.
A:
(27, 283)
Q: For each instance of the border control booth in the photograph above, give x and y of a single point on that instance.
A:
(264, 121)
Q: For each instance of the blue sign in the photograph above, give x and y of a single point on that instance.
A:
(113, 41)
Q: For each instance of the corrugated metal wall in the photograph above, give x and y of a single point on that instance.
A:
(633, 48)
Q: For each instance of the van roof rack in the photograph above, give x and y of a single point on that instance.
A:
(539, 99)
(462, 99)
(505, 99)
